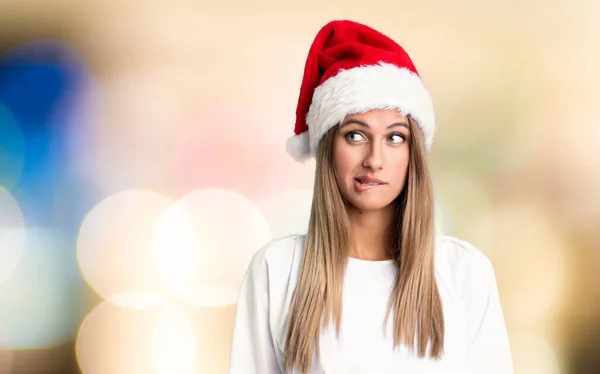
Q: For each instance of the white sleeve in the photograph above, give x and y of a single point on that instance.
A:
(488, 348)
(252, 348)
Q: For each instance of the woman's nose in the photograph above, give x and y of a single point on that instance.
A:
(374, 158)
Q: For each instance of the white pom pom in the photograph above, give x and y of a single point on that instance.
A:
(298, 146)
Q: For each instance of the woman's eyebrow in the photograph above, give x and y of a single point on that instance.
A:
(403, 124)
(364, 124)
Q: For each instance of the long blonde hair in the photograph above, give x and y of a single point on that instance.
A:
(415, 300)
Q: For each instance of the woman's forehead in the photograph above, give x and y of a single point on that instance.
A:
(377, 118)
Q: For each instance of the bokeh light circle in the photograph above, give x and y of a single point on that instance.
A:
(176, 248)
(12, 234)
(212, 329)
(221, 231)
(116, 244)
(117, 340)
(174, 343)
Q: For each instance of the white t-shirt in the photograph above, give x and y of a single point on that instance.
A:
(475, 341)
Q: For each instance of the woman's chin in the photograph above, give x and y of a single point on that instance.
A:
(366, 204)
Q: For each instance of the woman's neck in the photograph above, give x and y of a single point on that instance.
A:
(372, 233)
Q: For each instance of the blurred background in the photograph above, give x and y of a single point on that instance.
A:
(142, 163)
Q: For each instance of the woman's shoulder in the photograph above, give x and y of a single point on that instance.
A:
(460, 266)
(279, 261)
(454, 251)
(278, 253)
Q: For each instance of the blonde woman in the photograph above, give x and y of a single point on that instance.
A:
(370, 288)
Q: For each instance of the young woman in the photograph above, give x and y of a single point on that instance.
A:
(370, 288)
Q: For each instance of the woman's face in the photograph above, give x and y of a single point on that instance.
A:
(370, 154)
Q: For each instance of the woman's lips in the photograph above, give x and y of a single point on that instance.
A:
(365, 184)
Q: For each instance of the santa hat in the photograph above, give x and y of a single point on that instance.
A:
(352, 68)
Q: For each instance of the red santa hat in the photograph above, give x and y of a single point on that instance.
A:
(352, 68)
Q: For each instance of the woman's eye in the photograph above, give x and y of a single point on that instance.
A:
(396, 138)
(354, 136)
